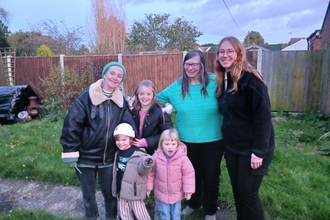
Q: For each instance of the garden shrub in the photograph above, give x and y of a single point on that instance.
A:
(58, 91)
(44, 51)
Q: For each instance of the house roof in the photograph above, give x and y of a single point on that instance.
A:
(299, 45)
(294, 40)
(313, 35)
(209, 49)
(213, 49)
(255, 47)
(265, 47)
(273, 47)
(326, 13)
(204, 49)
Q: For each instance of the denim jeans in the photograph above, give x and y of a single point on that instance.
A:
(165, 211)
(206, 159)
(87, 180)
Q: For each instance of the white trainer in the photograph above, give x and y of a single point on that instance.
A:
(187, 211)
(210, 217)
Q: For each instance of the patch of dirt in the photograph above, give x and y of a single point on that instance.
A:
(56, 199)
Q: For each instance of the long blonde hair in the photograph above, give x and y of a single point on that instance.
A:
(146, 83)
(240, 65)
(168, 134)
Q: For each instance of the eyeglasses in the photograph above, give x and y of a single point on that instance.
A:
(194, 65)
(229, 53)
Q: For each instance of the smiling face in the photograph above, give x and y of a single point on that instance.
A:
(192, 68)
(123, 142)
(145, 96)
(227, 55)
(170, 146)
(112, 78)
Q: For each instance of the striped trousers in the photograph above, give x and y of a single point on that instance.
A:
(126, 209)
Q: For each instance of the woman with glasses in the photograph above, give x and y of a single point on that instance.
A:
(247, 127)
(197, 121)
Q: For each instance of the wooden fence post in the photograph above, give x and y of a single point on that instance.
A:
(62, 67)
(325, 106)
(259, 61)
(120, 58)
(184, 54)
(121, 86)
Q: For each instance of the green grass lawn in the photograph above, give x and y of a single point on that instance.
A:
(297, 186)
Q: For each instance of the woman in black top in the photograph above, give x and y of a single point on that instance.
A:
(247, 127)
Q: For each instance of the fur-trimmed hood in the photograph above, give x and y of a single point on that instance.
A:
(97, 97)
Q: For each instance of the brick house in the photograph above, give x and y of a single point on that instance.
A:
(325, 36)
(325, 30)
(314, 40)
(319, 39)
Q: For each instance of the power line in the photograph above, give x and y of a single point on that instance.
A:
(233, 17)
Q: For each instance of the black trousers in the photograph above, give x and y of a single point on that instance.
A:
(88, 185)
(245, 185)
(206, 159)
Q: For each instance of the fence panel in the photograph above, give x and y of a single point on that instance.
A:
(30, 69)
(294, 78)
(79, 63)
(161, 69)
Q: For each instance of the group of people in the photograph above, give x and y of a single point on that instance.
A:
(135, 151)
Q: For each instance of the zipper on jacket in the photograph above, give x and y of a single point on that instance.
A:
(134, 188)
(168, 182)
(225, 85)
(108, 127)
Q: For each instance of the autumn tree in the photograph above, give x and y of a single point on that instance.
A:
(182, 35)
(253, 37)
(4, 32)
(60, 38)
(148, 34)
(108, 32)
(4, 15)
(26, 42)
(156, 32)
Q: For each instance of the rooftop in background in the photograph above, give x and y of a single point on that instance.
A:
(264, 47)
(208, 49)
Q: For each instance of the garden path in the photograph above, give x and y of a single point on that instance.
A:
(55, 199)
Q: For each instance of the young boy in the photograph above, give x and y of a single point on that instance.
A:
(132, 166)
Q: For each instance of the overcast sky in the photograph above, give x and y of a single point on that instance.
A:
(276, 20)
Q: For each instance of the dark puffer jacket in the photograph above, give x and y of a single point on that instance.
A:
(154, 124)
(88, 127)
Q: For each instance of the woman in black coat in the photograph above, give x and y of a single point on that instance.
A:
(247, 126)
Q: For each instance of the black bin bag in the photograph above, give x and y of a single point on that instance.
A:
(14, 99)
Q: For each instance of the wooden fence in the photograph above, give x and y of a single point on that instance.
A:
(294, 79)
(297, 80)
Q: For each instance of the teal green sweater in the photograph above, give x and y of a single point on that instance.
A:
(197, 117)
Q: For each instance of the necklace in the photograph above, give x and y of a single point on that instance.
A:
(107, 94)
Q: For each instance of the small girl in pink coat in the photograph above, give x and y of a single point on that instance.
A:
(172, 177)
